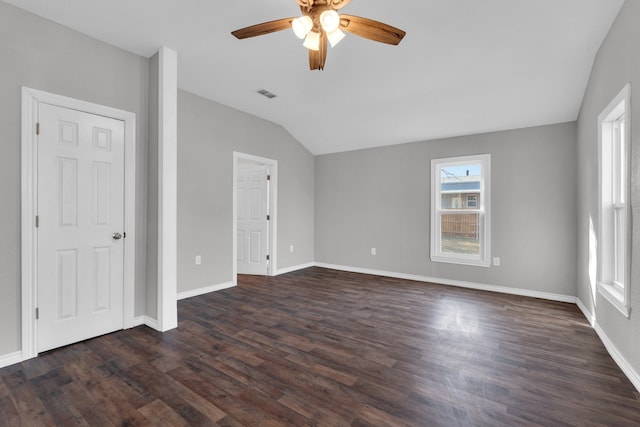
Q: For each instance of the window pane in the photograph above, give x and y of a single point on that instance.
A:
(620, 249)
(460, 233)
(622, 166)
(460, 186)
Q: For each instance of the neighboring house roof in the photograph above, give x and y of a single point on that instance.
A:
(459, 184)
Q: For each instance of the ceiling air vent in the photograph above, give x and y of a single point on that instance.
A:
(266, 93)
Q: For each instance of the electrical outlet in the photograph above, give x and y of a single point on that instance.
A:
(373, 251)
(290, 248)
(198, 260)
(496, 261)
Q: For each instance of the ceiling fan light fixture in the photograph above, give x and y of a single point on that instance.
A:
(301, 26)
(312, 41)
(330, 20)
(319, 24)
(335, 37)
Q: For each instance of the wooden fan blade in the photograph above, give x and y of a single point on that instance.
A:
(305, 3)
(317, 58)
(372, 30)
(339, 4)
(262, 29)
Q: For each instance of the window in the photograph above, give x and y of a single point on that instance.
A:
(614, 190)
(472, 201)
(460, 210)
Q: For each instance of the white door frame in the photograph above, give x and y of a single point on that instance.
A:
(273, 204)
(31, 98)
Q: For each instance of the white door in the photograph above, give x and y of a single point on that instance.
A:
(80, 277)
(253, 224)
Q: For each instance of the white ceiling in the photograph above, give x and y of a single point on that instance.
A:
(465, 66)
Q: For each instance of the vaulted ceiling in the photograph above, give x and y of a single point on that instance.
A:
(465, 66)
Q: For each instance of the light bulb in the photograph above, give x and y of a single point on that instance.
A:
(334, 37)
(301, 26)
(330, 20)
(312, 41)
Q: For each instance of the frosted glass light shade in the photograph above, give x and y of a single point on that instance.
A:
(334, 37)
(301, 26)
(330, 20)
(312, 41)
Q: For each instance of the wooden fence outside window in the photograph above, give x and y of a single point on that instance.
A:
(461, 225)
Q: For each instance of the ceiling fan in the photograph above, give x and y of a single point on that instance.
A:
(320, 23)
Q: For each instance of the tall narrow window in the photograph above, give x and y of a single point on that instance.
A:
(460, 196)
(613, 171)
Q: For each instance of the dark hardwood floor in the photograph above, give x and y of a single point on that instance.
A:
(324, 348)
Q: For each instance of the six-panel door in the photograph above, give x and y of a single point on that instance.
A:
(80, 279)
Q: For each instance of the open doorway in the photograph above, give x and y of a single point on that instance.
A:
(254, 215)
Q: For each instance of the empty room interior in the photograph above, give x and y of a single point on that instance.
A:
(322, 213)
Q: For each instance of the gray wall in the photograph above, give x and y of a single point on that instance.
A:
(380, 198)
(42, 55)
(208, 134)
(617, 63)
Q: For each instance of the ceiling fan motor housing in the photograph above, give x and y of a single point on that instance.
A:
(314, 9)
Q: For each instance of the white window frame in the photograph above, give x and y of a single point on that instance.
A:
(483, 259)
(614, 195)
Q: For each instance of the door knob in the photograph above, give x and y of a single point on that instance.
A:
(117, 236)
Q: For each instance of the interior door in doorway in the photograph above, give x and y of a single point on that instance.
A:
(80, 255)
(253, 218)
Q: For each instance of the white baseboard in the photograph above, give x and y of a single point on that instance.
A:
(459, 283)
(138, 321)
(10, 359)
(148, 321)
(615, 354)
(590, 317)
(294, 268)
(152, 323)
(618, 357)
(205, 290)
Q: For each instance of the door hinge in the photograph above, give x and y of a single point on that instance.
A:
(37, 128)
(268, 177)
(37, 313)
(268, 258)
(37, 221)
(124, 235)
(268, 217)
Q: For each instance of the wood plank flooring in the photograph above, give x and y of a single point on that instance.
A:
(325, 348)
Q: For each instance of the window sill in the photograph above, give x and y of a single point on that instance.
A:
(615, 297)
(452, 260)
